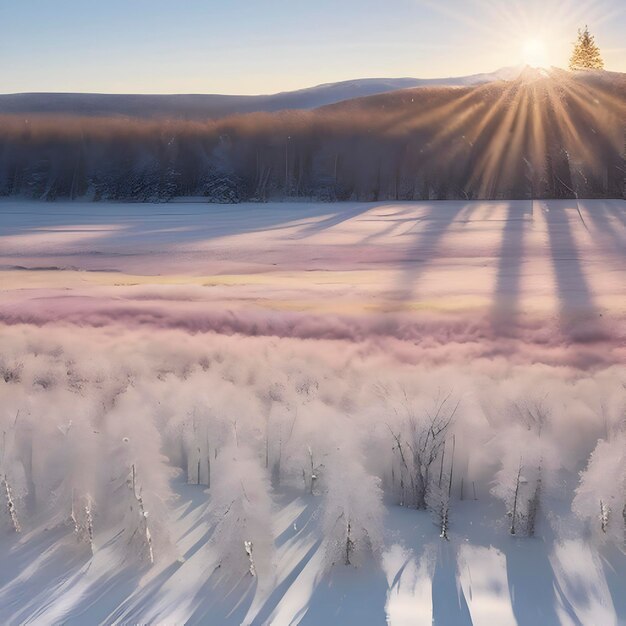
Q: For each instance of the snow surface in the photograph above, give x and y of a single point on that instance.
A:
(479, 577)
(527, 293)
(541, 274)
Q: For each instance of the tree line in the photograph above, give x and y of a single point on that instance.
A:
(537, 137)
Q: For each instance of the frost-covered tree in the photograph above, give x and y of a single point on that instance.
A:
(195, 413)
(284, 419)
(241, 509)
(511, 486)
(601, 495)
(309, 445)
(279, 404)
(140, 484)
(13, 481)
(440, 492)
(269, 396)
(586, 54)
(75, 454)
(528, 462)
(352, 519)
(143, 181)
(220, 182)
(201, 433)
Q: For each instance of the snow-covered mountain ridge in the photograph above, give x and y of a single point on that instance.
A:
(202, 106)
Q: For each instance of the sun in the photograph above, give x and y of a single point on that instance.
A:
(534, 53)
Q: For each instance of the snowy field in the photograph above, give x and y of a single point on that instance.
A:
(207, 411)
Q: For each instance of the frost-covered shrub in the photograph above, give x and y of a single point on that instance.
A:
(352, 509)
(97, 448)
(139, 487)
(241, 510)
(528, 463)
(601, 496)
(309, 445)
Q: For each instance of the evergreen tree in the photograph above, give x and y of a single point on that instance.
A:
(586, 55)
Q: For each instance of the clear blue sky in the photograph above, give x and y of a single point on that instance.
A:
(263, 46)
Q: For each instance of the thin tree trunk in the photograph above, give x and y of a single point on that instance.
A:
(443, 454)
(514, 514)
(451, 466)
(11, 506)
(199, 458)
(349, 544)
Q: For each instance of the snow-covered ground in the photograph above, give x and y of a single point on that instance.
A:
(297, 348)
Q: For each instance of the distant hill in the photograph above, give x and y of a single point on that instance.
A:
(199, 106)
(545, 134)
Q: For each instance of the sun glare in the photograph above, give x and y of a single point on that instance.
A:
(534, 53)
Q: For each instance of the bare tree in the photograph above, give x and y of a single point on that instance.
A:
(418, 440)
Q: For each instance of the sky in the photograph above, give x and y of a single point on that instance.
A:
(266, 46)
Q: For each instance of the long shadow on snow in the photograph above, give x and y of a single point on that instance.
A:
(131, 609)
(336, 217)
(605, 232)
(33, 571)
(222, 604)
(59, 569)
(349, 595)
(300, 524)
(436, 223)
(507, 291)
(530, 576)
(579, 316)
(614, 562)
(305, 527)
(531, 581)
(103, 598)
(156, 225)
(618, 209)
(281, 589)
(449, 604)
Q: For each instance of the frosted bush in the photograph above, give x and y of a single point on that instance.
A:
(99, 447)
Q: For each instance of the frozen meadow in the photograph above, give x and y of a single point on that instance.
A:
(368, 413)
